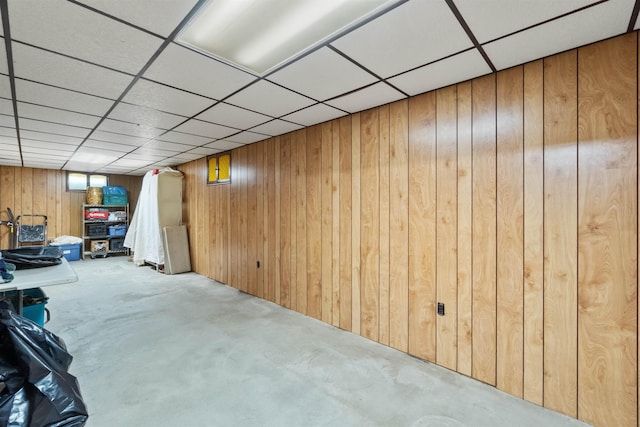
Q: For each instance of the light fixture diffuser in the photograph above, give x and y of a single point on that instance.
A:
(261, 35)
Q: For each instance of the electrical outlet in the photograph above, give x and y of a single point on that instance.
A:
(440, 309)
(258, 264)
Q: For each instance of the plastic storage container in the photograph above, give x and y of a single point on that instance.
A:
(116, 244)
(97, 229)
(114, 196)
(71, 252)
(117, 230)
(33, 302)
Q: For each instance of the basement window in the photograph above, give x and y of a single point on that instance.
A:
(78, 181)
(219, 168)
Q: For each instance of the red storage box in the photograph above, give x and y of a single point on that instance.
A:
(96, 215)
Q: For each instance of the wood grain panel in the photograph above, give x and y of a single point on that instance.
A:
(7, 200)
(26, 201)
(369, 224)
(464, 229)
(278, 142)
(355, 223)
(422, 226)
(234, 205)
(510, 240)
(243, 214)
(346, 271)
(271, 201)
(314, 221)
(607, 232)
(335, 223)
(261, 218)
(301, 226)
(560, 233)
(203, 242)
(533, 233)
(384, 222)
(484, 228)
(285, 221)
(399, 225)
(446, 214)
(326, 174)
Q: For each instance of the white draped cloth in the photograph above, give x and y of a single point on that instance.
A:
(143, 236)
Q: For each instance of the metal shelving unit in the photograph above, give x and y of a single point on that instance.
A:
(89, 238)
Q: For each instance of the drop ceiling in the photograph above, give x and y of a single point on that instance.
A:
(101, 85)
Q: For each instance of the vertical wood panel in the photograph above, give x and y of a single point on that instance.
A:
(335, 223)
(560, 233)
(243, 213)
(285, 220)
(369, 224)
(384, 235)
(233, 259)
(261, 218)
(510, 241)
(271, 258)
(533, 233)
(465, 216)
(7, 200)
(355, 223)
(399, 225)
(314, 221)
(484, 228)
(346, 271)
(422, 224)
(280, 189)
(301, 226)
(607, 232)
(203, 221)
(327, 221)
(446, 214)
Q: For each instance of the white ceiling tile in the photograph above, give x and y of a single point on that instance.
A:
(203, 151)
(9, 139)
(490, 19)
(323, 74)
(372, 96)
(118, 138)
(130, 163)
(186, 157)
(111, 146)
(168, 146)
(267, 98)
(145, 116)
(5, 87)
(233, 116)
(42, 164)
(32, 153)
(7, 120)
(245, 137)
(276, 127)
(94, 157)
(6, 107)
(192, 71)
(131, 129)
(4, 68)
(47, 145)
(49, 137)
(37, 112)
(145, 156)
(73, 30)
(160, 17)
(413, 34)
(183, 138)
(596, 23)
(154, 152)
(7, 160)
(45, 67)
(224, 145)
(206, 129)
(164, 98)
(455, 69)
(315, 114)
(41, 94)
(55, 128)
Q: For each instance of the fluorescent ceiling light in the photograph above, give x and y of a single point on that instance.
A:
(260, 35)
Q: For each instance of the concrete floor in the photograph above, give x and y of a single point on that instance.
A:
(183, 350)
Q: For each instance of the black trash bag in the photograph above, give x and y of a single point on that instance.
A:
(38, 391)
(33, 256)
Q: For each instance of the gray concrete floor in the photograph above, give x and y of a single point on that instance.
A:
(183, 350)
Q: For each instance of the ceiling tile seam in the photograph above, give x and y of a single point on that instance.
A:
(4, 10)
(634, 16)
(333, 98)
(147, 79)
(432, 62)
(470, 34)
(57, 108)
(359, 65)
(546, 21)
(75, 58)
(144, 68)
(115, 18)
(20, 116)
(213, 58)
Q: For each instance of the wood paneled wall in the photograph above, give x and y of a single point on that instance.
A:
(512, 199)
(43, 191)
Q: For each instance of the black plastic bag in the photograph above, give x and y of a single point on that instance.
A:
(38, 391)
(33, 256)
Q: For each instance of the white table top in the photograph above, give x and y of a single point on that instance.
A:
(41, 276)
